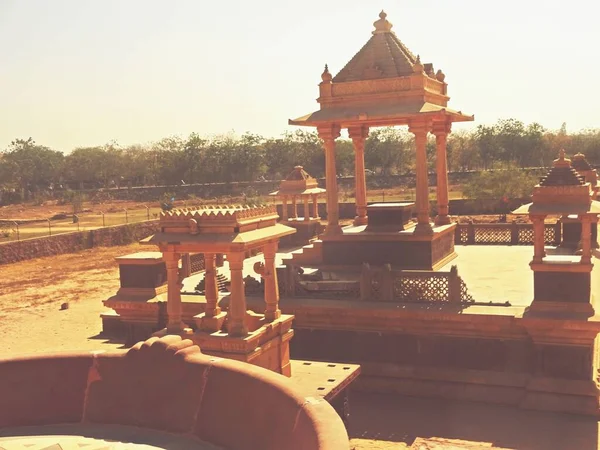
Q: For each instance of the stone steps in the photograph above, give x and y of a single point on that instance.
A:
(451, 444)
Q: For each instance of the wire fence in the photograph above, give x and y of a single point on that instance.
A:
(18, 230)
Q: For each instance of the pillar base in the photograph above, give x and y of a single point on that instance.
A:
(423, 229)
(333, 230)
(442, 220)
(210, 323)
(361, 220)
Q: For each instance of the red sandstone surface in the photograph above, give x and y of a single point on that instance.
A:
(31, 293)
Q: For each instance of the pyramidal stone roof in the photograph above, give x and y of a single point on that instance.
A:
(580, 164)
(562, 174)
(383, 56)
(298, 174)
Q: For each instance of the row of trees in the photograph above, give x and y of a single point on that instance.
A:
(30, 167)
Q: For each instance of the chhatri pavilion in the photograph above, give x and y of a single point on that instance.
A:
(385, 84)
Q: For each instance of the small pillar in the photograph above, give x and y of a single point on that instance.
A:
(538, 238)
(359, 136)
(174, 310)
(586, 239)
(294, 207)
(284, 212)
(315, 203)
(329, 135)
(306, 210)
(269, 274)
(186, 265)
(441, 131)
(237, 300)
(420, 130)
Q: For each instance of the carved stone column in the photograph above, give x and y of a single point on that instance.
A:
(538, 238)
(315, 203)
(284, 211)
(420, 130)
(359, 136)
(268, 272)
(306, 209)
(186, 265)
(237, 300)
(329, 135)
(174, 311)
(211, 289)
(294, 208)
(441, 131)
(586, 239)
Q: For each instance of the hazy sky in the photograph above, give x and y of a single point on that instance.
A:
(82, 72)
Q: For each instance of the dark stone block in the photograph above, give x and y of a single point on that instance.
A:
(562, 287)
(142, 276)
(570, 362)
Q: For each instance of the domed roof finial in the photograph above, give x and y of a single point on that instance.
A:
(326, 76)
(382, 25)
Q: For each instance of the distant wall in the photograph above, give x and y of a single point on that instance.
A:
(59, 244)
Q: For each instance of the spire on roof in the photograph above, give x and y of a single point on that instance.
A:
(580, 164)
(562, 160)
(562, 174)
(326, 76)
(382, 25)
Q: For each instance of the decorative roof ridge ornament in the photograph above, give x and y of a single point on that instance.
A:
(382, 25)
(418, 66)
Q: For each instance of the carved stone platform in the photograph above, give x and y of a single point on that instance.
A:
(405, 249)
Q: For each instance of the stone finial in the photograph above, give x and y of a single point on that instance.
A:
(417, 66)
(562, 160)
(382, 25)
(440, 76)
(326, 76)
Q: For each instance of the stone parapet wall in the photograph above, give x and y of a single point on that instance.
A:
(167, 384)
(12, 252)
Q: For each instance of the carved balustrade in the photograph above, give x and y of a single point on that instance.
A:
(504, 233)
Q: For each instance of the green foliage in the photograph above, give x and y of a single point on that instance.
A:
(505, 183)
(27, 168)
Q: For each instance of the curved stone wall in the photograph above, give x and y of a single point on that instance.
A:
(168, 385)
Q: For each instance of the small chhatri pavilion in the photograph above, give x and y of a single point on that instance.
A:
(299, 186)
(385, 84)
(562, 280)
(260, 339)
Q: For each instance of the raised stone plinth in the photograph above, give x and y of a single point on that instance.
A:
(404, 249)
(267, 345)
(389, 216)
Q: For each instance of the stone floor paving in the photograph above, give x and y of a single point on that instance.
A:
(435, 424)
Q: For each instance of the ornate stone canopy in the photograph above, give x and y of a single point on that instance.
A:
(562, 191)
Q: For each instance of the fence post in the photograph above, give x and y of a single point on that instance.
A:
(126, 219)
(387, 284)
(49, 228)
(453, 285)
(147, 212)
(514, 233)
(365, 282)
(470, 232)
(18, 234)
